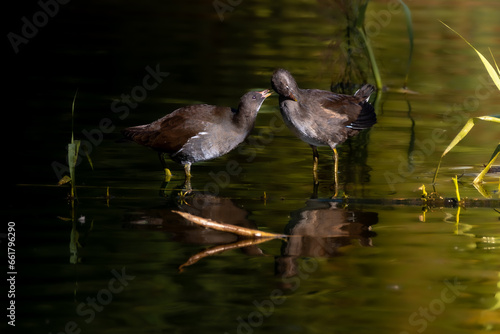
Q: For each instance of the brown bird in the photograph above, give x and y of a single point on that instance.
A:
(322, 118)
(199, 132)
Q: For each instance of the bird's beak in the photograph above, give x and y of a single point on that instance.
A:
(293, 97)
(265, 93)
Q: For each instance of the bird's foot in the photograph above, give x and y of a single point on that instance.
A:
(336, 191)
(168, 175)
(184, 194)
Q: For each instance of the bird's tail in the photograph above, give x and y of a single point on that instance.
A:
(365, 92)
(139, 134)
(367, 117)
(130, 133)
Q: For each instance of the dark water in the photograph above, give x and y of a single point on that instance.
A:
(375, 261)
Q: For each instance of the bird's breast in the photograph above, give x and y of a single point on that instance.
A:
(305, 126)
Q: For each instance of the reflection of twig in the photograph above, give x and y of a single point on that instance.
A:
(222, 248)
(253, 237)
(241, 231)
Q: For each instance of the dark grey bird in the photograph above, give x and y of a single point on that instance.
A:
(199, 132)
(322, 118)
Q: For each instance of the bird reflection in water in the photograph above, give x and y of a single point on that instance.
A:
(320, 229)
(203, 205)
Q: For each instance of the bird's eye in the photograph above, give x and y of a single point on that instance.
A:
(253, 97)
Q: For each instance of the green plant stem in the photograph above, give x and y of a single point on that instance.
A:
(371, 55)
(455, 181)
(409, 26)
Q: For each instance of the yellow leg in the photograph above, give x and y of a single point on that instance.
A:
(187, 183)
(168, 175)
(164, 184)
(187, 170)
(315, 163)
(335, 170)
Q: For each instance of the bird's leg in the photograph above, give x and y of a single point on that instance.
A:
(315, 163)
(168, 174)
(187, 182)
(187, 170)
(335, 170)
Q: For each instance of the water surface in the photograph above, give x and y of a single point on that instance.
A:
(371, 260)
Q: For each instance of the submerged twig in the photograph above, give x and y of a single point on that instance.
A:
(238, 230)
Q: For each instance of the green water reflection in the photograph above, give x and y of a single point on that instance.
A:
(374, 262)
(362, 266)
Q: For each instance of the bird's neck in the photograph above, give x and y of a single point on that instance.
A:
(244, 117)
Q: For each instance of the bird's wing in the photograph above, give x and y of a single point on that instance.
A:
(171, 132)
(351, 111)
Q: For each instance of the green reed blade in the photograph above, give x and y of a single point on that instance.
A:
(495, 76)
(73, 115)
(86, 151)
(437, 171)
(465, 130)
(490, 118)
(495, 152)
(409, 26)
(481, 175)
(461, 135)
(455, 182)
(360, 19)
(371, 55)
(494, 60)
(73, 149)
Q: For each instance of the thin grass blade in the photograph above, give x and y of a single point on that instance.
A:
(65, 179)
(437, 171)
(494, 60)
(455, 182)
(88, 156)
(480, 188)
(371, 55)
(495, 152)
(490, 118)
(360, 20)
(73, 115)
(465, 130)
(409, 26)
(481, 175)
(491, 71)
(73, 149)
